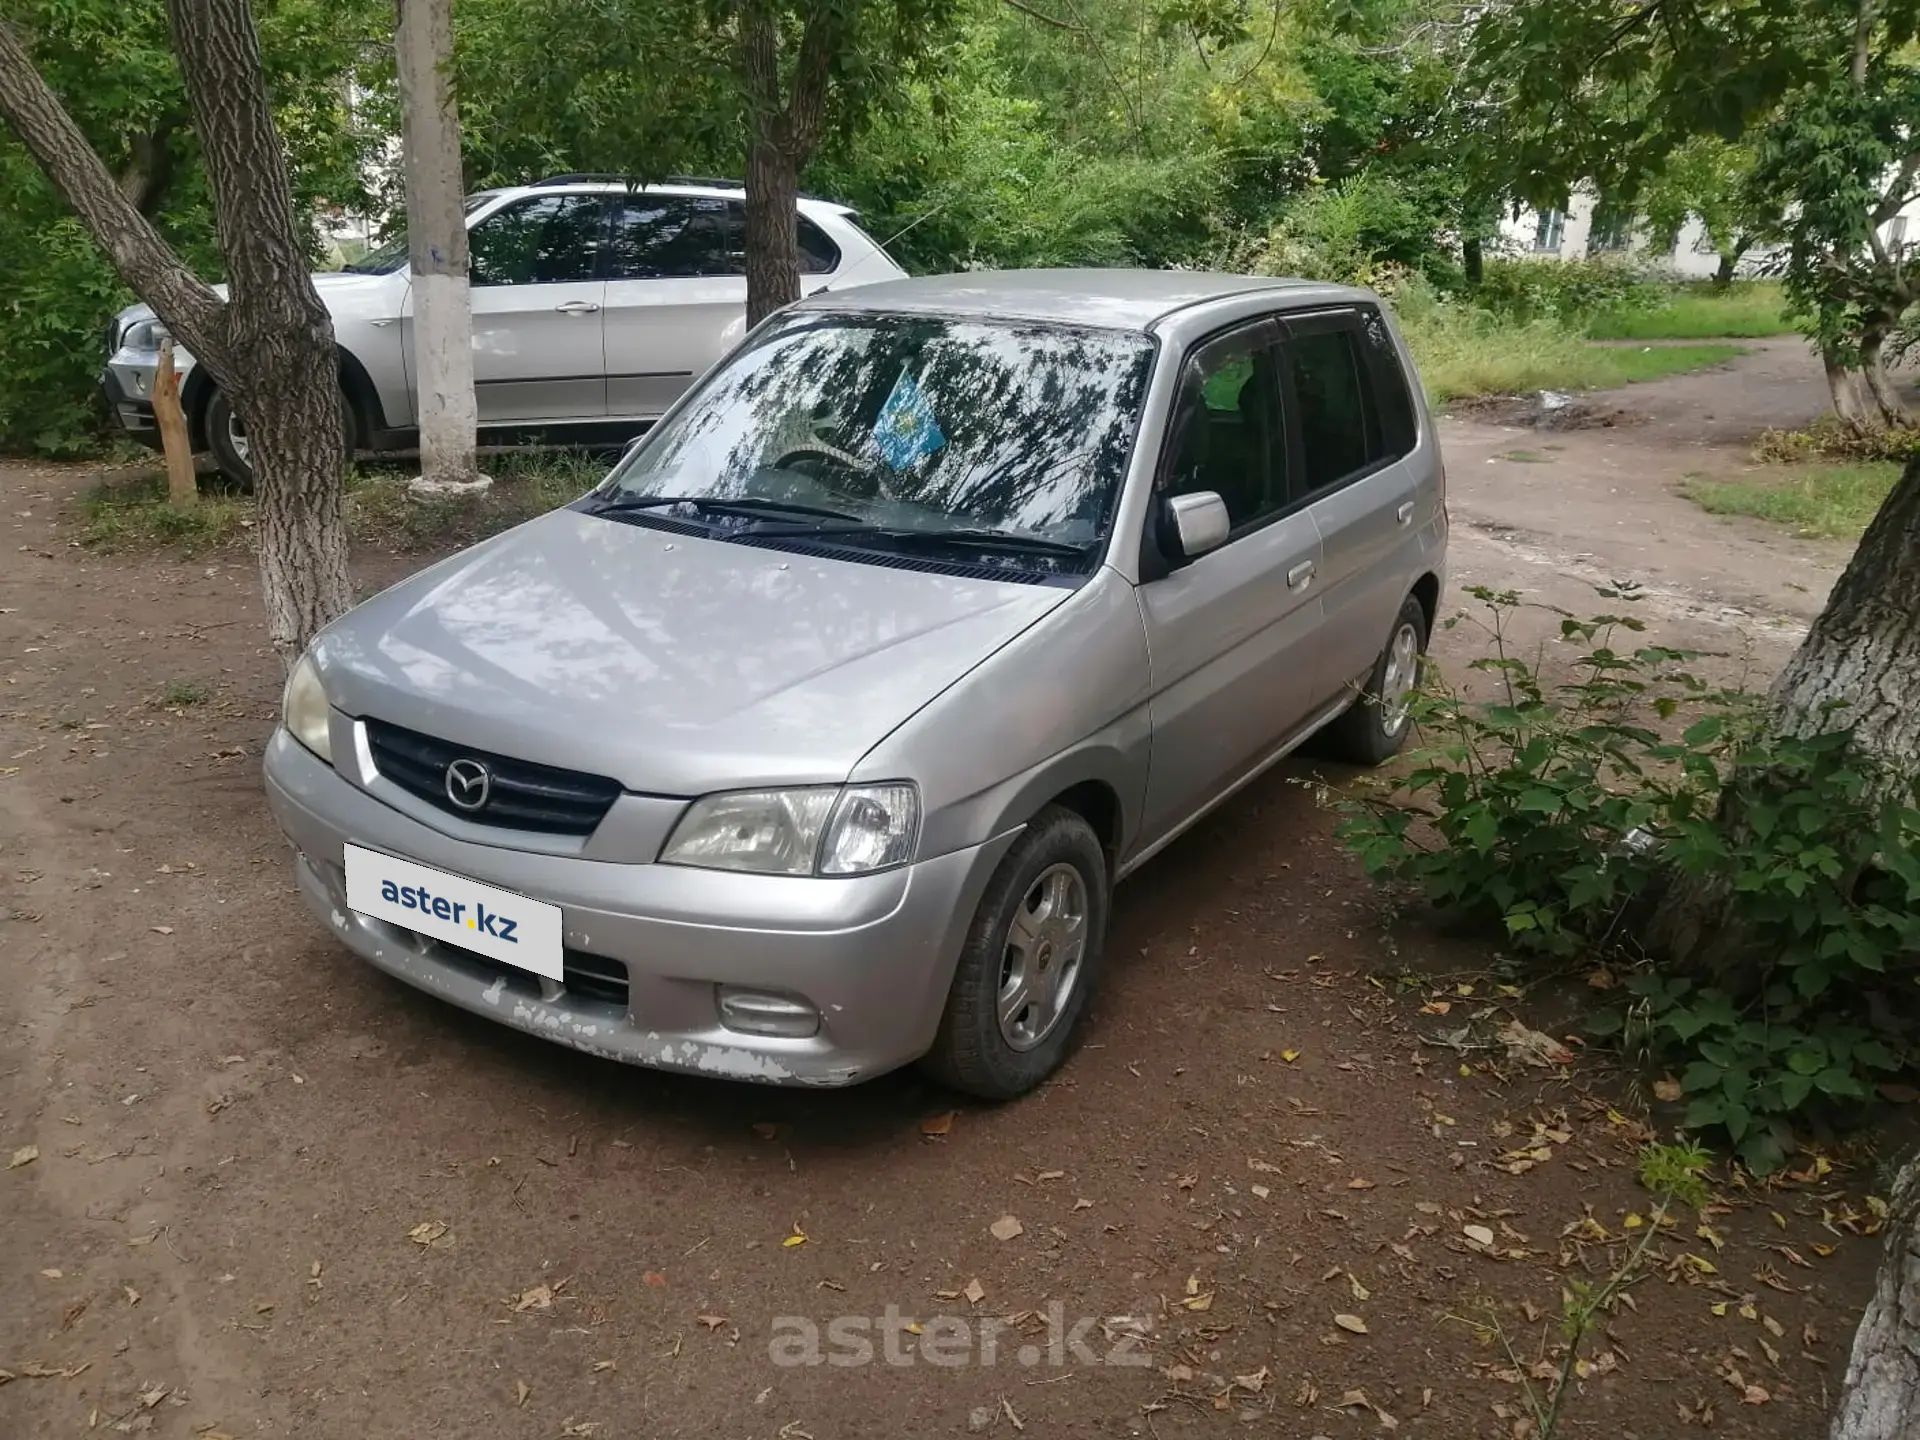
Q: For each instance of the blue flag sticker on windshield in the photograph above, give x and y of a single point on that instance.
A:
(905, 431)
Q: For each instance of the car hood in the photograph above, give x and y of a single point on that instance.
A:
(336, 288)
(678, 666)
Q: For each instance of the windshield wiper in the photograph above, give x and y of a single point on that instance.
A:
(751, 507)
(964, 538)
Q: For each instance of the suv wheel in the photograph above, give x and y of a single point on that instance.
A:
(1372, 729)
(1028, 964)
(227, 437)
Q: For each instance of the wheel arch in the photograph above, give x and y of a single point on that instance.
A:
(363, 400)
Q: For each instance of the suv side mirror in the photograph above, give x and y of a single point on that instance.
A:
(1200, 522)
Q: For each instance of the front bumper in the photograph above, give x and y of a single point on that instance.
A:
(873, 955)
(129, 399)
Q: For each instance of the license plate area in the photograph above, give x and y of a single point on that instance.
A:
(499, 924)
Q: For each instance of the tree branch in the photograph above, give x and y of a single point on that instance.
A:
(1044, 19)
(812, 74)
(1863, 40)
(188, 307)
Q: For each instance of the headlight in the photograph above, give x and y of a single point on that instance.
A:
(819, 830)
(303, 709)
(143, 335)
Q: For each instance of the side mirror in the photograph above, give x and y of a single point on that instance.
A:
(1200, 523)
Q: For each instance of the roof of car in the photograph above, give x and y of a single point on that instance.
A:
(677, 185)
(1110, 299)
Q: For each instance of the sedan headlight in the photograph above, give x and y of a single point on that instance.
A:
(143, 335)
(819, 830)
(303, 709)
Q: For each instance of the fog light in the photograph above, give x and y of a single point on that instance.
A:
(756, 1012)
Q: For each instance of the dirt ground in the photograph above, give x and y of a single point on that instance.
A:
(262, 1190)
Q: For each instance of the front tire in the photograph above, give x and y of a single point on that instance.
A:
(1029, 962)
(1372, 729)
(227, 438)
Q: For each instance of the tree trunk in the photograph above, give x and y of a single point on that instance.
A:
(1880, 1398)
(1473, 260)
(269, 346)
(437, 243)
(773, 253)
(1723, 275)
(1850, 401)
(1880, 389)
(282, 371)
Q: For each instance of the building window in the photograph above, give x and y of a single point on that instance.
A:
(1546, 235)
(1610, 231)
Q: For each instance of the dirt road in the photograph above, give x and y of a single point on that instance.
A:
(263, 1191)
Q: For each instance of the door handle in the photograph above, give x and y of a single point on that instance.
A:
(577, 307)
(1300, 574)
(1405, 513)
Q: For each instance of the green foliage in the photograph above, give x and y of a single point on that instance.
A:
(1677, 1172)
(1366, 230)
(1747, 309)
(112, 66)
(1516, 811)
(1559, 812)
(1817, 499)
(1569, 290)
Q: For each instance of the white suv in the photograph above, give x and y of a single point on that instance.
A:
(595, 304)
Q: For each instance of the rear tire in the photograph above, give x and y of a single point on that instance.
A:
(1029, 962)
(1372, 729)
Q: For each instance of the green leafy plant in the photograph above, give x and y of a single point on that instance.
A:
(1540, 809)
(1556, 812)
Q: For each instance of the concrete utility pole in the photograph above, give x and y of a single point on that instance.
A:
(437, 246)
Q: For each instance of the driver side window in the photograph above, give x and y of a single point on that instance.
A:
(1228, 435)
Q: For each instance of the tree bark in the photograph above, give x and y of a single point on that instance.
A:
(784, 133)
(1859, 666)
(437, 243)
(1879, 386)
(1880, 1398)
(1473, 261)
(1847, 387)
(283, 372)
(1723, 275)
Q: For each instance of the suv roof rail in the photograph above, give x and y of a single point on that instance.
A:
(707, 182)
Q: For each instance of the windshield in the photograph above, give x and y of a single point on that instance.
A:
(391, 255)
(915, 428)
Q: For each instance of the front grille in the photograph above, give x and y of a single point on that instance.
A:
(520, 794)
(586, 977)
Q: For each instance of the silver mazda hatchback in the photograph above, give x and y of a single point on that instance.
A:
(814, 741)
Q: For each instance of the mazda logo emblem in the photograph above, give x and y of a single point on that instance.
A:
(469, 783)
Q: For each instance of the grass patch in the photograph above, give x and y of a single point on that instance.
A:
(1748, 309)
(1820, 500)
(132, 512)
(182, 694)
(1465, 352)
(525, 484)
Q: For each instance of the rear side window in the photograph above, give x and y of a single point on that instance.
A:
(677, 237)
(818, 254)
(1339, 433)
(1398, 429)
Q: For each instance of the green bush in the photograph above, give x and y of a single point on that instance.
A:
(1365, 230)
(1561, 813)
(1571, 290)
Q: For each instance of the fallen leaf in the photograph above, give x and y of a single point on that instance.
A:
(1479, 1234)
(1289, 1056)
(1360, 1292)
(712, 1322)
(653, 1279)
(1667, 1090)
(1357, 1183)
(133, 1295)
(1261, 1192)
(540, 1297)
(798, 1237)
(151, 1398)
(1532, 1047)
(53, 1274)
(600, 1366)
(1755, 1395)
(1202, 1302)
(161, 929)
(1436, 1007)
(1351, 1322)
(1006, 1227)
(521, 1390)
(1046, 1175)
(940, 1124)
(975, 1292)
(25, 1155)
(1082, 1205)
(427, 1232)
